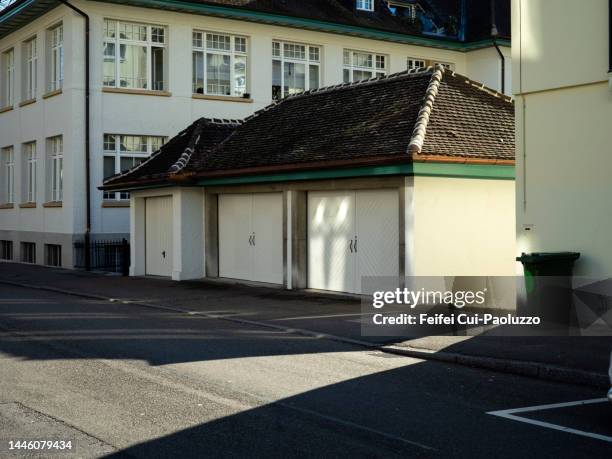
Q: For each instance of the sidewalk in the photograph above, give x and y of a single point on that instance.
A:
(580, 360)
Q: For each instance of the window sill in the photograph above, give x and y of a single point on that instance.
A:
(223, 98)
(8, 108)
(27, 102)
(139, 92)
(115, 204)
(53, 204)
(27, 205)
(50, 94)
(7, 206)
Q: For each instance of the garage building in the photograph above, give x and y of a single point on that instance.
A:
(411, 174)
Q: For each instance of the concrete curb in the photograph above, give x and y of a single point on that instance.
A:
(517, 367)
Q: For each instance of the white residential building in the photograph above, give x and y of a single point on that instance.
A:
(156, 67)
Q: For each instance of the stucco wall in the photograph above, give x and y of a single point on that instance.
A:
(563, 113)
(463, 227)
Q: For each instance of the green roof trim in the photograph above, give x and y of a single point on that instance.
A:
(42, 6)
(290, 21)
(480, 171)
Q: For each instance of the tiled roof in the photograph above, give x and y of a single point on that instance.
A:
(433, 114)
(446, 14)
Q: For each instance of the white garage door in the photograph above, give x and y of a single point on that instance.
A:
(158, 236)
(251, 237)
(352, 234)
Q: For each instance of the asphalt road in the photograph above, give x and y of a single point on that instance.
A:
(126, 380)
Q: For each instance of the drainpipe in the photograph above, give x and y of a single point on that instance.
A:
(87, 138)
(610, 36)
(494, 33)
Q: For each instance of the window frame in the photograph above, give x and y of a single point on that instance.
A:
(56, 171)
(233, 53)
(30, 185)
(117, 154)
(8, 78)
(117, 41)
(414, 60)
(30, 55)
(56, 57)
(364, 5)
(351, 66)
(307, 61)
(8, 159)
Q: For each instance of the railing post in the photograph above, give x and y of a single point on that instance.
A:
(125, 257)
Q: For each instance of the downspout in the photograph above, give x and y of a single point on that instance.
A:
(610, 36)
(87, 139)
(494, 33)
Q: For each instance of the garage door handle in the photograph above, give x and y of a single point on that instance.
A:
(251, 239)
(164, 254)
(351, 246)
(254, 243)
(355, 243)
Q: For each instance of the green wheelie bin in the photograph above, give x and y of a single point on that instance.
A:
(548, 284)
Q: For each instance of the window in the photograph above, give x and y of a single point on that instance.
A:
(134, 56)
(7, 95)
(56, 58)
(31, 62)
(29, 155)
(365, 5)
(360, 65)
(219, 64)
(414, 64)
(8, 162)
(295, 68)
(446, 65)
(55, 173)
(123, 152)
(28, 252)
(53, 255)
(6, 250)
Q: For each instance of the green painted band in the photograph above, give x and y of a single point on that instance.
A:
(481, 171)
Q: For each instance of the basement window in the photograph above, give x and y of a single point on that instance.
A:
(6, 250)
(28, 252)
(53, 255)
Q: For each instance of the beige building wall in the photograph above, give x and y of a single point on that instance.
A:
(463, 227)
(564, 109)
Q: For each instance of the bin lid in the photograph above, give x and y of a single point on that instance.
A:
(543, 257)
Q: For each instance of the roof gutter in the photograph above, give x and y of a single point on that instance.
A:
(87, 137)
(494, 34)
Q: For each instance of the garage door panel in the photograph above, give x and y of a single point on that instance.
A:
(234, 233)
(158, 240)
(331, 263)
(377, 223)
(267, 227)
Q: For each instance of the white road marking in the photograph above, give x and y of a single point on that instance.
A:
(510, 414)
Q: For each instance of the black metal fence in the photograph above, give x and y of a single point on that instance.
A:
(108, 256)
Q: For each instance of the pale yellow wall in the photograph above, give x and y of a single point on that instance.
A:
(558, 43)
(463, 227)
(564, 139)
